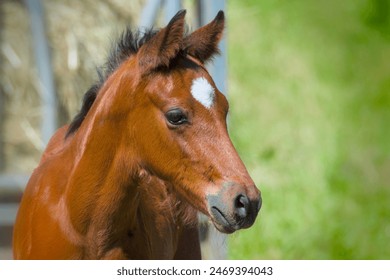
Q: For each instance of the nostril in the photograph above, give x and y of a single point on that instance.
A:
(259, 204)
(241, 205)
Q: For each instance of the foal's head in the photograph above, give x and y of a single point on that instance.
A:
(173, 119)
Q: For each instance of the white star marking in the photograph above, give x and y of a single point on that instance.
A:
(203, 92)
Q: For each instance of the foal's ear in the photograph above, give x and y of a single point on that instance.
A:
(203, 42)
(163, 46)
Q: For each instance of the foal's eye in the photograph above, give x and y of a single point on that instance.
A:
(176, 117)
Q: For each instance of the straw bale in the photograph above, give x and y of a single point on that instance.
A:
(20, 97)
(79, 35)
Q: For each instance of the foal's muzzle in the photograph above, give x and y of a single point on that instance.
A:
(234, 207)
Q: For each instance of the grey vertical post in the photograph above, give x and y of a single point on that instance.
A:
(216, 241)
(171, 8)
(149, 13)
(217, 69)
(2, 100)
(46, 80)
(2, 130)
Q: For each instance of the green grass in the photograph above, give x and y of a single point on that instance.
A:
(309, 87)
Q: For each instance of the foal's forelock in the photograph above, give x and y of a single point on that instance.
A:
(154, 50)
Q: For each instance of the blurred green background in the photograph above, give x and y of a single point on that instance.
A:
(309, 87)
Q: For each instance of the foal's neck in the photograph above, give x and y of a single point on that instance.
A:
(116, 205)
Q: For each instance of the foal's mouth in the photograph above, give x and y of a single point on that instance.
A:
(227, 218)
(221, 222)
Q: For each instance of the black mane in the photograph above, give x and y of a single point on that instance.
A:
(127, 45)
